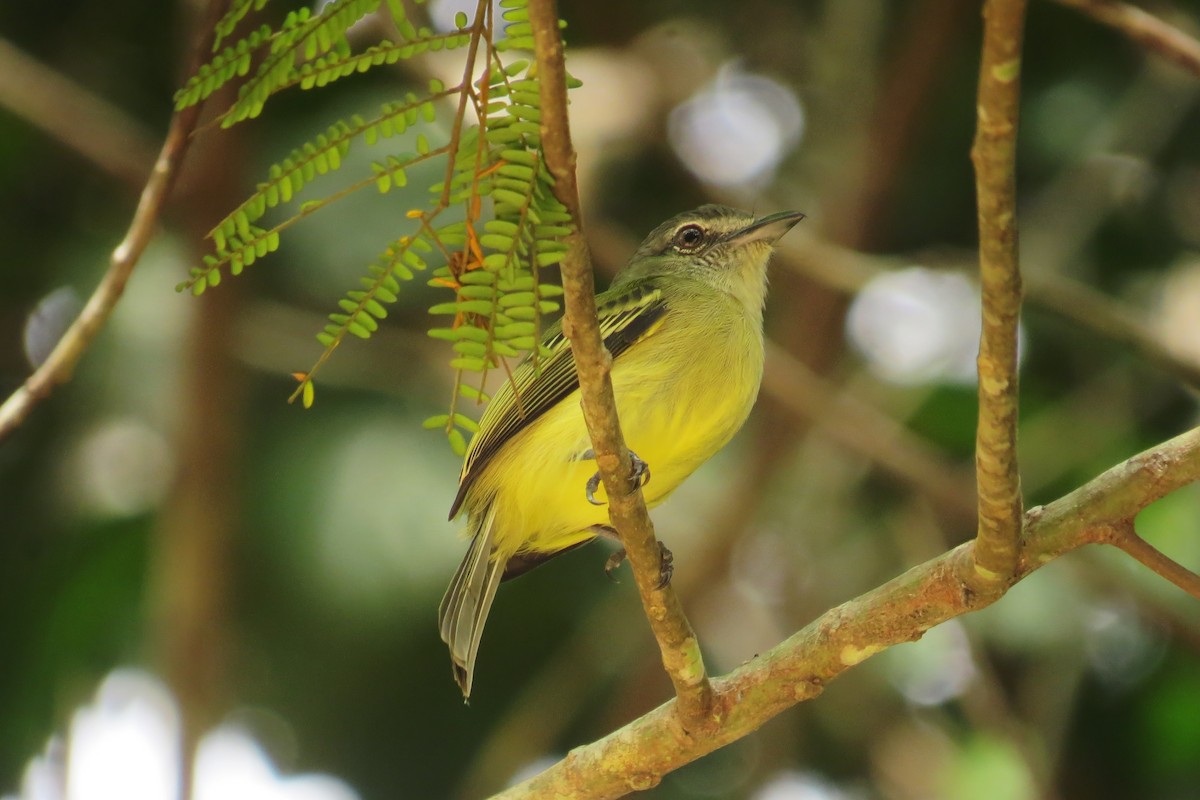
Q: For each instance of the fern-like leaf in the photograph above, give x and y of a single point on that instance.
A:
(362, 309)
(509, 225)
(302, 37)
(238, 9)
(232, 62)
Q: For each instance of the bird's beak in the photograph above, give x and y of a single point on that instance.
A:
(768, 229)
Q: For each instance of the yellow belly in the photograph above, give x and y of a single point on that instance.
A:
(674, 422)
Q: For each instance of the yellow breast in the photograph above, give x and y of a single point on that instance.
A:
(681, 394)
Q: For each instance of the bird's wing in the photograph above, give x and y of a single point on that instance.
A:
(626, 315)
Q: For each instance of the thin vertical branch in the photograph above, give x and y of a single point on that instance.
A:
(59, 366)
(627, 509)
(994, 155)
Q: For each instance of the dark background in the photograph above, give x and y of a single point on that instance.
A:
(281, 568)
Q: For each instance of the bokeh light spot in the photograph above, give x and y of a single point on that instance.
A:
(917, 325)
(48, 321)
(125, 746)
(443, 12)
(796, 785)
(737, 130)
(935, 670)
(122, 467)
(230, 765)
(1122, 647)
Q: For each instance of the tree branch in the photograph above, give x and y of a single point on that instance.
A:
(1125, 538)
(627, 509)
(570, 674)
(965, 579)
(994, 155)
(58, 367)
(1144, 28)
(638, 755)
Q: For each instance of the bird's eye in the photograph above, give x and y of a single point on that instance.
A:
(688, 238)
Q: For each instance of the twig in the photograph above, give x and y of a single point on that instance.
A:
(1144, 28)
(89, 125)
(456, 129)
(1105, 578)
(57, 368)
(994, 156)
(627, 509)
(638, 755)
(1125, 537)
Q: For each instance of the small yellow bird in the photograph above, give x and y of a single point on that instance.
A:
(683, 322)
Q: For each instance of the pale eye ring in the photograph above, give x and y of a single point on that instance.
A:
(688, 239)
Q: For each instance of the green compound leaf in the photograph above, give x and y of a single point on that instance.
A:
(491, 225)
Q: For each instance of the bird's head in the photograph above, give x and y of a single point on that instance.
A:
(725, 247)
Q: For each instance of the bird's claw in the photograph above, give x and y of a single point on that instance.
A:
(640, 470)
(615, 560)
(666, 565)
(640, 477)
(592, 485)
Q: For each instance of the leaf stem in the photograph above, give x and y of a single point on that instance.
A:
(468, 72)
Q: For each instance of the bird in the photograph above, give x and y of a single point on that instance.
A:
(683, 324)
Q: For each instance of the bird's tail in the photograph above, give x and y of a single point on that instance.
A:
(465, 607)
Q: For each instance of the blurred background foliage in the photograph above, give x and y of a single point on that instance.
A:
(280, 570)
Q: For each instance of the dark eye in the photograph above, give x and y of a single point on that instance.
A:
(688, 238)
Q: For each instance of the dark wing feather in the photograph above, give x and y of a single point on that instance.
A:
(625, 317)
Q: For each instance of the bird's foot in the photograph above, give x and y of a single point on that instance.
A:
(639, 478)
(613, 562)
(666, 565)
(641, 470)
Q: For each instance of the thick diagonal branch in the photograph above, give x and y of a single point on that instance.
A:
(637, 756)
(994, 556)
(627, 509)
